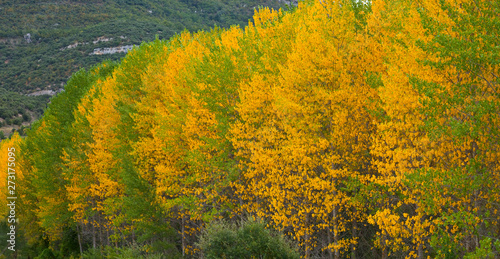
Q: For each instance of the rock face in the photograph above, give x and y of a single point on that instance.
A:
(27, 37)
(45, 92)
(72, 46)
(102, 39)
(290, 2)
(113, 50)
(101, 51)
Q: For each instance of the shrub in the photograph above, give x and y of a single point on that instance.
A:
(251, 240)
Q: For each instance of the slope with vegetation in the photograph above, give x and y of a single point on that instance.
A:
(43, 42)
(356, 130)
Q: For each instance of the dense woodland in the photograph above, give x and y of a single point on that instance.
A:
(64, 34)
(351, 130)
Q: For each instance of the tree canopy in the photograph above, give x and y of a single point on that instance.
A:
(358, 130)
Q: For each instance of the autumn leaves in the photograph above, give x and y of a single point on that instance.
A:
(356, 130)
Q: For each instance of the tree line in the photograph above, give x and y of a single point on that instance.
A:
(357, 130)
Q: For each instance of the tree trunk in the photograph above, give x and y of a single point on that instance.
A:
(307, 239)
(79, 240)
(330, 251)
(354, 234)
(93, 236)
(384, 248)
(100, 229)
(183, 234)
(335, 230)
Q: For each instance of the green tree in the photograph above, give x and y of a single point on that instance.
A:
(462, 117)
(46, 183)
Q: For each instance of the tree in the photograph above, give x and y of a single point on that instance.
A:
(44, 151)
(462, 117)
(304, 131)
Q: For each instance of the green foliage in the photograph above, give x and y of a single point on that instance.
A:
(55, 25)
(251, 240)
(474, 53)
(321, 121)
(47, 254)
(44, 152)
(131, 252)
(487, 250)
(14, 105)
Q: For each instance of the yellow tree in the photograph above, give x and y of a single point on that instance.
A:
(424, 163)
(461, 118)
(400, 145)
(160, 152)
(93, 186)
(46, 201)
(304, 132)
(11, 172)
(78, 168)
(185, 155)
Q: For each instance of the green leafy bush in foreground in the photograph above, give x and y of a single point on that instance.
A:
(251, 240)
(132, 252)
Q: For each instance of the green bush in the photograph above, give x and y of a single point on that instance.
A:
(17, 121)
(485, 250)
(132, 252)
(251, 240)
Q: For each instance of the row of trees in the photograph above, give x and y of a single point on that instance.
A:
(358, 130)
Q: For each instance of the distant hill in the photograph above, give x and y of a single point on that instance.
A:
(42, 43)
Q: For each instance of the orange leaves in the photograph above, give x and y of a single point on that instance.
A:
(304, 134)
(418, 96)
(229, 39)
(265, 16)
(11, 171)
(318, 120)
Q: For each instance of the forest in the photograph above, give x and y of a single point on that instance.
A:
(335, 129)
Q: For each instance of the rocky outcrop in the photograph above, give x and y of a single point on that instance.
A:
(45, 92)
(27, 38)
(113, 50)
(290, 2)
(102, 51)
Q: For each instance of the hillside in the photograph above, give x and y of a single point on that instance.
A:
(42, 43)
